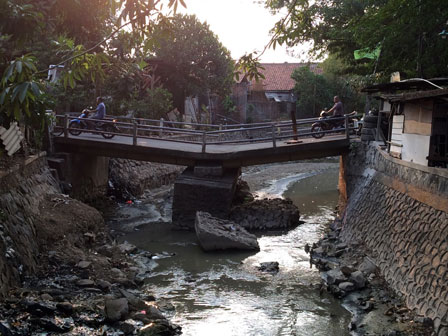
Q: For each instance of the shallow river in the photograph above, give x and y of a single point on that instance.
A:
(224, 293)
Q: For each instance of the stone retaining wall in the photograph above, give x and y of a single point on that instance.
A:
(399, 211)
(22, 188)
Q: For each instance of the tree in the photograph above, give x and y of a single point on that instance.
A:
(190, 58)
(315, 92)
(407, 31)
(153, 104)
(82, 30)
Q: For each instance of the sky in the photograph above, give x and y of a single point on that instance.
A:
(242, 26)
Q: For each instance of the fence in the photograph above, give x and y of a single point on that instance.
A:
(203, 134)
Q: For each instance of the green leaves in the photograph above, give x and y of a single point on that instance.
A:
(174, 4)
(192, 60)
(20, 91)
(249, 67)
(407, 30)
(19, 69)
(80, 63)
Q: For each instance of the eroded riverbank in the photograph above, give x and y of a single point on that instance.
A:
(197, 290)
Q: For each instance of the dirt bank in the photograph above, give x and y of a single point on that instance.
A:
(85, 283)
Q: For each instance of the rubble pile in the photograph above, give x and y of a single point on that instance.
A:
(353, 277)
(103, 294)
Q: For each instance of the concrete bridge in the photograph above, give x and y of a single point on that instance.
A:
(213, 154)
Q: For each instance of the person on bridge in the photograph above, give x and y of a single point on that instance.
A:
(100, 111)
(337, 111)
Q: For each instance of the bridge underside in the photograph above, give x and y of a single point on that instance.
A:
(226, 156)
(209, 182)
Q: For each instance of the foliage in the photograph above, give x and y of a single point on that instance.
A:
(249, 65)
(228, 105)
(154, 104)
(21, 97)
(315, 92)
(190, 58)
(82, 30)
(406, 30)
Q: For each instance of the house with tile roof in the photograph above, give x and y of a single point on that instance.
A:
(271, 98)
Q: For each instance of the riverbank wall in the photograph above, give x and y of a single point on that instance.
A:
(22, 188)
(399, 212)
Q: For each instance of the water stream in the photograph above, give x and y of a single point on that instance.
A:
(224, 293)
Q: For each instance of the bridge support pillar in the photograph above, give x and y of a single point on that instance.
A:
(208, 189)
(89, 176)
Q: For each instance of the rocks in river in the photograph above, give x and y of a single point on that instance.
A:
(219, 234)
(160, 328)
(65, 308)
(103, 284)
(84, 264)
(5, 330)
(116, 309)
(367, 266)
(266, 214)
(269, 267)
(39, 308)
(50, 324)
(127, 248)
(347, 286)
(85, 283)
(358, 279)
(242, 193)
(333, 277)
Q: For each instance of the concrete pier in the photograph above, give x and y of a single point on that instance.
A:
(203, 189)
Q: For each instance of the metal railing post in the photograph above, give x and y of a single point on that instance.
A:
(294, 124)
(274, 144)
(204, 139)
(347, 128)
(66, 126)
(161, 127)
(134, 133)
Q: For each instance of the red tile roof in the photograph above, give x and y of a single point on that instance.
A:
(278, 76)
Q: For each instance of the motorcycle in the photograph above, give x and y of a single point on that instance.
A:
(82, 124)
(325, 123)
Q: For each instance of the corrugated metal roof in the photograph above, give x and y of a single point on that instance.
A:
(278, 76)
(415, 95)
(410, 84)
(11, 138)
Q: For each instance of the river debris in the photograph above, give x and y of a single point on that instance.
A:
(266, 214)
(262, 214)
(220, 234)
(99, 295)
(269, 267)
(353, 277)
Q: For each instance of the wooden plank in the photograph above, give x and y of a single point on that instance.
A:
(416, 127)
(398, 118)
(394, 153)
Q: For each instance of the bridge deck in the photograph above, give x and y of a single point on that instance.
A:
(189, 154)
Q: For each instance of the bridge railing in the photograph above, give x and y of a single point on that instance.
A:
(206, 134)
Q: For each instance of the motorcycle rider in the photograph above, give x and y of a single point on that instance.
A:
(337, 111)
(100, 111)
